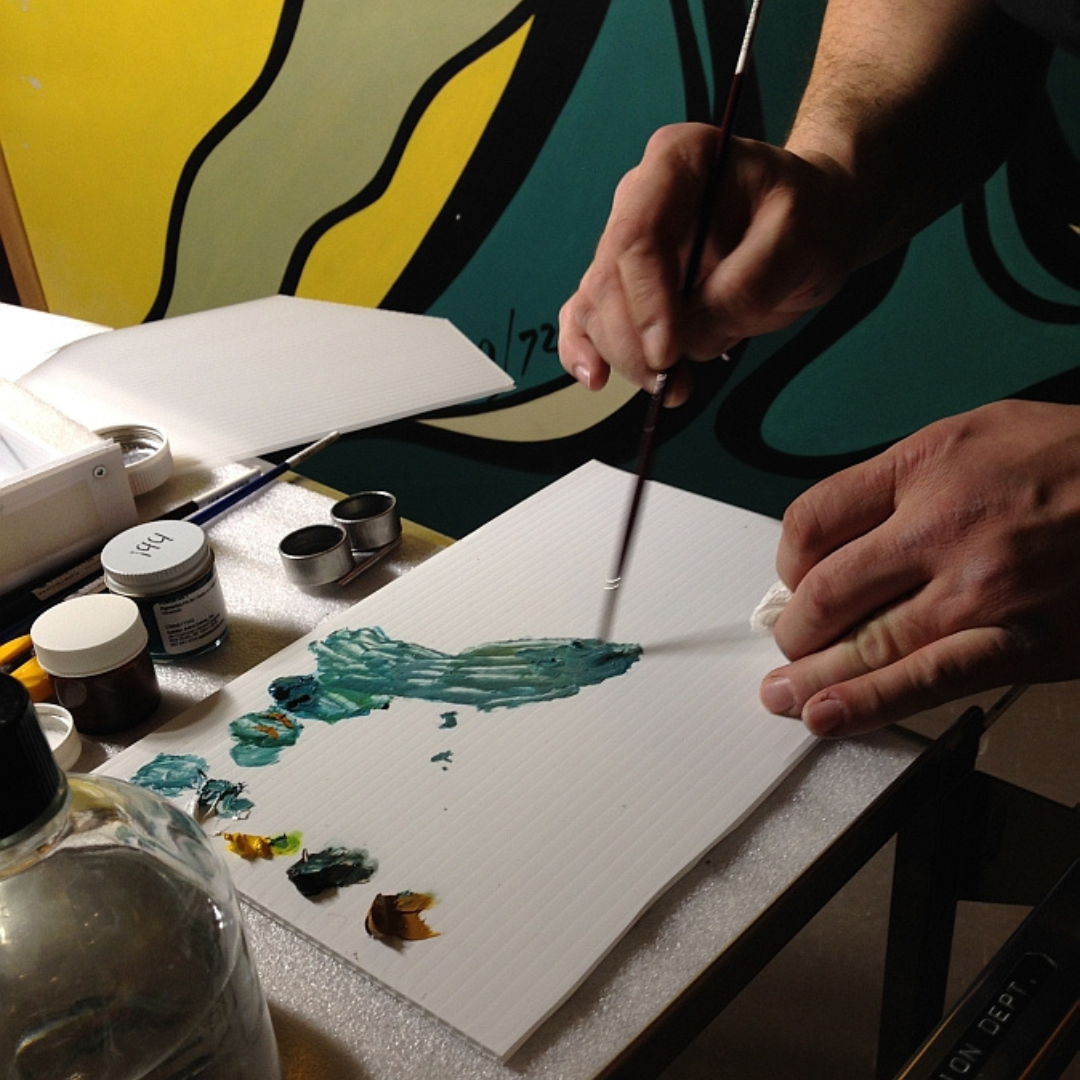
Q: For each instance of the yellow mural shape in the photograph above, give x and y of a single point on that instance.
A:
(100, 107)
(389, 231)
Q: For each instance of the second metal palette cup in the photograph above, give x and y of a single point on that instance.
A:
(370, 518)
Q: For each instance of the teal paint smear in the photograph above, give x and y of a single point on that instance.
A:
(172, 774)
(365, 669)
(332, 868)
(365, 665)
(446, 757)
(260, 737)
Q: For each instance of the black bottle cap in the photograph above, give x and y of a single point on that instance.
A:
(29, 778)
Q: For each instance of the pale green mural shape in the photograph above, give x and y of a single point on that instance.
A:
(316, 139)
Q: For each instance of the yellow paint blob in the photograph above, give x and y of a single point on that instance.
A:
(249, 846)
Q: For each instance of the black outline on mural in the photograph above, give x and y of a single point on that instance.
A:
(739, 419)
(379, 183)
(558, 45)
(1043, 182)
(275, 59)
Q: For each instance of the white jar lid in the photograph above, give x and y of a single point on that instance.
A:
(153, 557)
(60, 733)
(148, 459)
(87, 635)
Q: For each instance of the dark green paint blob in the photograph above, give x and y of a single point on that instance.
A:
(446, 757)
(172, 774)
(307, 697)
(332, 868)
(260, 737)
(366, 666)
(449, 720)
(222, 797)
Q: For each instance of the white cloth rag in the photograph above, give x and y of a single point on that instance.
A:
(764, 616)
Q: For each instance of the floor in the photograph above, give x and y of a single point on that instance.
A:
(813, 1011)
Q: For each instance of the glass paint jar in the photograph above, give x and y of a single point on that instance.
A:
(167, 568)
(124, 948)
(96, 650)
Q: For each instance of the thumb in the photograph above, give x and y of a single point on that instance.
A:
(953, 667)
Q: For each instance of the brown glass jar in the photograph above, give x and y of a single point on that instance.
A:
(96, 650)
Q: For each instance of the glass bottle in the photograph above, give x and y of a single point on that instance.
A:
(122, 947)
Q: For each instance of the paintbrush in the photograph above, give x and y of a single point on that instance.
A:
(208, 513)
(185, 509)
(693, 267)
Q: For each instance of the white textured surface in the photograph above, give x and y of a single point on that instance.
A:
(266, 374)
(30, 336)
(559, 821)
(332, 1021)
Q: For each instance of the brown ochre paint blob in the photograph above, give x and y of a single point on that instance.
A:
(400, 916)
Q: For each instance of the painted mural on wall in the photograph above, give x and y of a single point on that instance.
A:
(458, 158)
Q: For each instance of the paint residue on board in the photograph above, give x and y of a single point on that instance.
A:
(331, 868)
(173, 774)
(259, 738)
(444, 758)
(400, 916)
(449, 719)
(360, 671)
(249, 846)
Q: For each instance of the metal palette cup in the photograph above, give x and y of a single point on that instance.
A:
(370, 518)
(316, 554)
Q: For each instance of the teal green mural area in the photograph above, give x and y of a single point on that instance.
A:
(982, 305)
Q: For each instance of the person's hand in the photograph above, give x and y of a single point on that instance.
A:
(782, 240)
(948, 565)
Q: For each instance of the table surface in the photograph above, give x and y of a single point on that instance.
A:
(330, 1019)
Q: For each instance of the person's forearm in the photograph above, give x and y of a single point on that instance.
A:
(917, 101)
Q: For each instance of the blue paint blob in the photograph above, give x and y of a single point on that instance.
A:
(260, 737)
(172, 774)
(307, 697)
